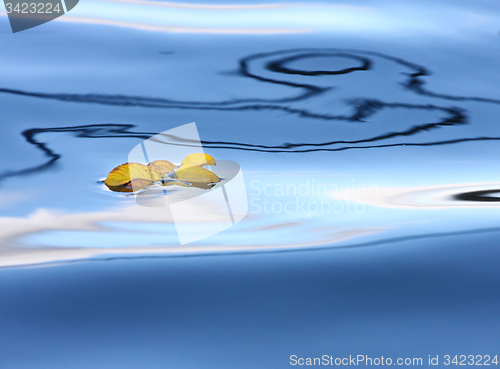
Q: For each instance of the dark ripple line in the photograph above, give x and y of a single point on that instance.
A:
(363, 108)
(413, 83)
(83, 132)
(278, 66)
(403, 144)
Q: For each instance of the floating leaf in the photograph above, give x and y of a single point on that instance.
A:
(131, 186)
(130, 177)
(159, 168)
(203, 186)
(199, 159)
(176, 183)
(127, 172)
(195, 174)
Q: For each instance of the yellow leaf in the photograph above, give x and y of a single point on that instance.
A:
(175, 183)
(131, 186)
(127, 172)
(196, 174)
(159, 168)
(199, 159)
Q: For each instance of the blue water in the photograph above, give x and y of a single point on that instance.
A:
(367, 134)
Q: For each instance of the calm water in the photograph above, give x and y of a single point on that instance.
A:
(367, 133)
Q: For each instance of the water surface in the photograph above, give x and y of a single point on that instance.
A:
(367, 134)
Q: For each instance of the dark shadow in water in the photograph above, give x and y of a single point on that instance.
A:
(279, 65)
(363, 108)
(413, 83)
(122, 131)
(384, 241)
(481, 196)
(90, 131)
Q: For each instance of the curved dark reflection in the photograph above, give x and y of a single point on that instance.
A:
(279, 65)
(89, 131)
(275, 62)
(122, 131)
(481, 196)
